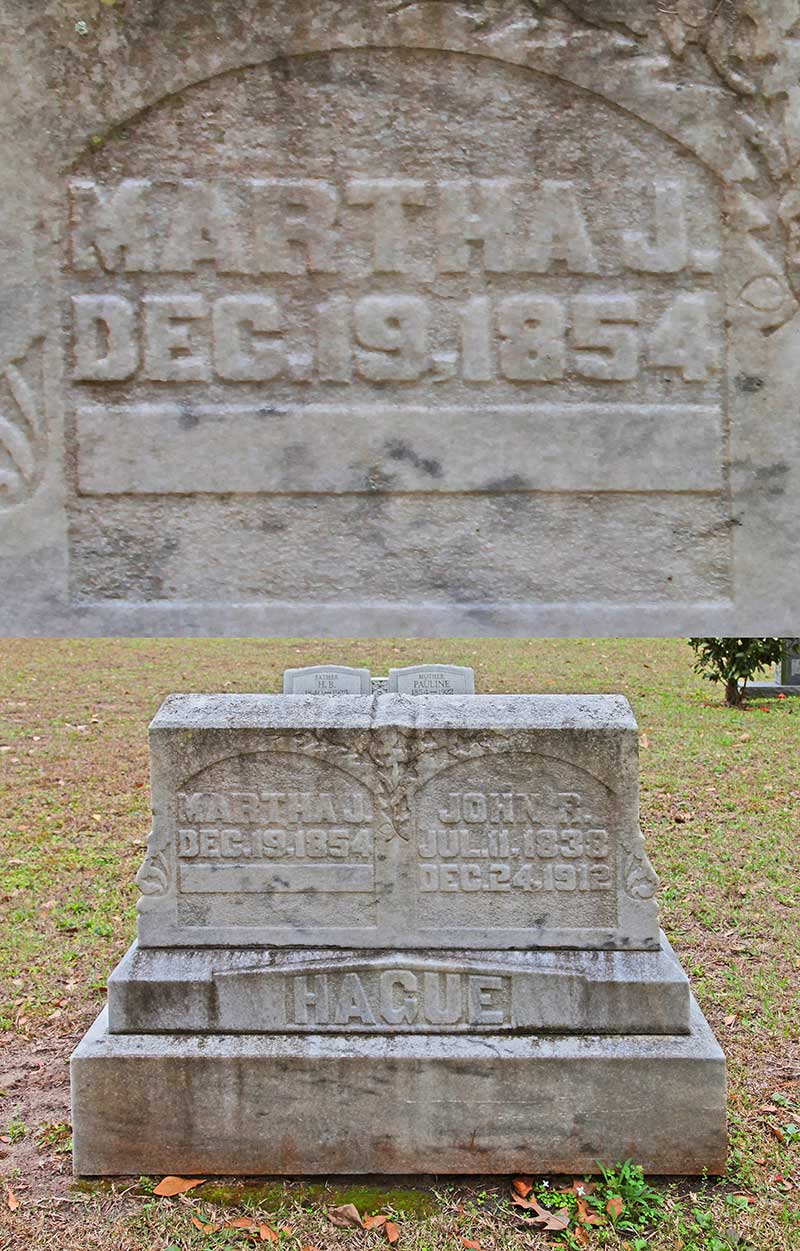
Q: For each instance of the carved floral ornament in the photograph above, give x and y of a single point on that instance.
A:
(23, 427)
(393, 766)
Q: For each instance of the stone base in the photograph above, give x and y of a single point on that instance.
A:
(769, 690)
(241, 990)
(320, 1104)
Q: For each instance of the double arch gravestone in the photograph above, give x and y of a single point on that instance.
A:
(433, 913)
(360, 318)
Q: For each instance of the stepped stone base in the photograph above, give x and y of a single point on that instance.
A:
(315, 1104)
(241, 990)
(769, 690)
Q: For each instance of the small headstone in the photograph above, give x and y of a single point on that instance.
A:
(432, 680)
(789, 674)
(327, 880)
(326, 680)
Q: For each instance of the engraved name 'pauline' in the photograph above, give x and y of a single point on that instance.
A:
(425, 233)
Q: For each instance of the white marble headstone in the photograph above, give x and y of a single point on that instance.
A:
(326, 680)
(432, 680)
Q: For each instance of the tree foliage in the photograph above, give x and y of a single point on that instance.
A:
(734, 662)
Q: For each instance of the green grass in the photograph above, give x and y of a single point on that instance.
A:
(720, 792)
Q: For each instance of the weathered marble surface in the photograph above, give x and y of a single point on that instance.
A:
(293, 1104)
(326, 680)
(481, 821)
(431, 912)
(242, 990)
(291, 342)
(432, 680)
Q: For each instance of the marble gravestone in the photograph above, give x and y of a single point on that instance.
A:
(411, 680)
(397, 934)
(374, 317)
(789, 674)
(432, 680)
(326, 680)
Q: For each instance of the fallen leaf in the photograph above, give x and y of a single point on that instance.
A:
(583, 1187)
(169, 1186)
(587, 1215)
(644, 740)
(615, 1207)
(555, 1221)
(730, 1020)
(346, 1217)
(582, 1236)
(392, 1232)
(267, 1235)
(243, 1222)
(528, 1204)
(374, 1222)
(523, 1186)
(5, 1138)
(11, 1199)
(200, 1224)
(777, 1133)
(471, 1245)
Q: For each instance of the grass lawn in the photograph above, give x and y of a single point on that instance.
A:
(721, 817)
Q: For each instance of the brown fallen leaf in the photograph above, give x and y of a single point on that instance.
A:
(346, 1217)
(615, 1207)
(169, 1186)
(582, 1237)
(11, 1200)
(471, 1245)
(201, 1224)
(587, 1215)
(392, 1232)
(777, 1133)
(730, 1020)
(374, 1222)
(529, 1205)
(644, 740)
(267, 1235)
(579, 1187)
(243, 1222)
(553, 1221)
(523, 1186)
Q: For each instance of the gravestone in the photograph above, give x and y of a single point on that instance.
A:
(399, 318)
(433, 914)
(326, 680)
(432, 680)
(787, 675)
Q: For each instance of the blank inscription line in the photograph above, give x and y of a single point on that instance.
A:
(708, 492)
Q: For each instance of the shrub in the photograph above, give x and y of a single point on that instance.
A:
(734, 662)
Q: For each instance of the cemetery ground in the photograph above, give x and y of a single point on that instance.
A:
(721, 819)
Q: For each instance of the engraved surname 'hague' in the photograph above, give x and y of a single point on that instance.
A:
(398, 997)
(425, 234)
